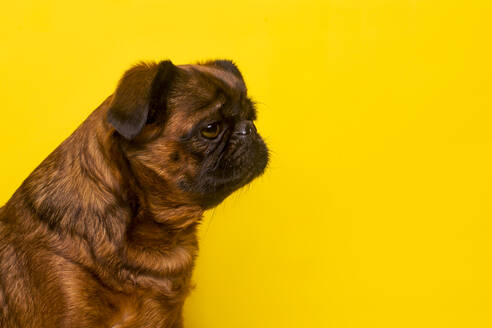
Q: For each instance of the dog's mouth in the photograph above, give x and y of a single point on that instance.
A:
(237, 166)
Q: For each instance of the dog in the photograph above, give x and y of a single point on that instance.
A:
(103, 231)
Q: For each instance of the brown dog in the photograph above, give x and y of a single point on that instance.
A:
(103, 232)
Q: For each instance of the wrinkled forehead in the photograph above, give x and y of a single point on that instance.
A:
(214, 78)
(208, 84)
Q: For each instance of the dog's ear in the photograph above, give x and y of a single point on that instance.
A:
(229, 66)
(142, 91)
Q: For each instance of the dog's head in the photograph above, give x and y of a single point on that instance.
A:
(187, 131)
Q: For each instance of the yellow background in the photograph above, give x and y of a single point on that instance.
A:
(376, 209)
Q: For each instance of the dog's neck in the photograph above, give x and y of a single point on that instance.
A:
(86, 190)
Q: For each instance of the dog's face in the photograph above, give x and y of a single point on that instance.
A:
(188, 131)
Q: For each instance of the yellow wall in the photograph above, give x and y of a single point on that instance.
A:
(376, 210)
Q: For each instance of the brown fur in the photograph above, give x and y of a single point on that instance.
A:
(101, 234)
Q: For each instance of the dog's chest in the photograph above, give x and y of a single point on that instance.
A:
(159, 306)
(142, 301)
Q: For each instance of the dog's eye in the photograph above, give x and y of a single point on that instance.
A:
(211, 131)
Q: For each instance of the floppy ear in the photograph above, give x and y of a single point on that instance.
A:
(141, 91)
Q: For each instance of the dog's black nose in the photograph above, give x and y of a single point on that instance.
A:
(245, 128)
